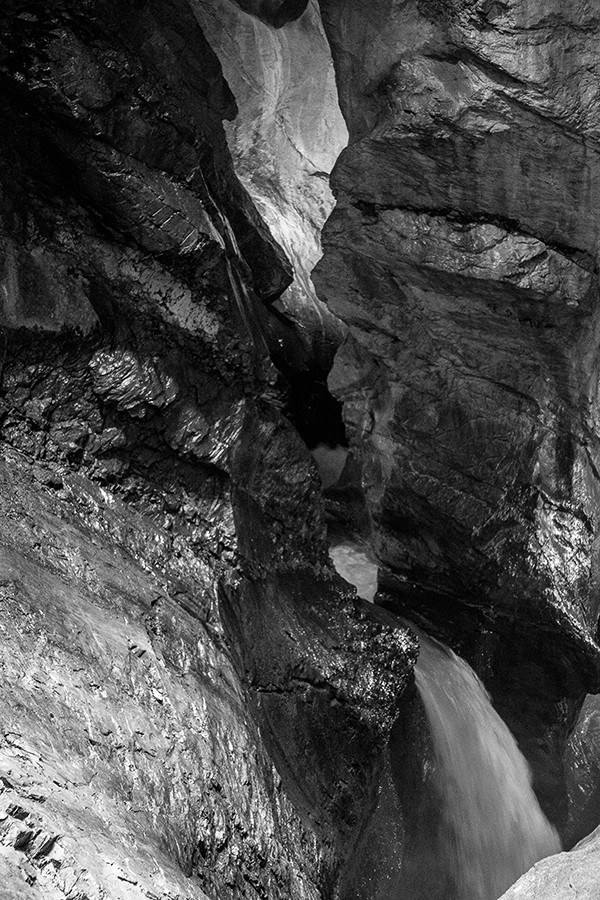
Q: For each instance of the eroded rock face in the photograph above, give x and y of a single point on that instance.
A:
(287, 135)
(289, 131)
(194, 705)
(462, 253)
(128, 763)
(156, 505)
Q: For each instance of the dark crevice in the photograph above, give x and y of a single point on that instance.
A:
(305, 360)
(274, 12)
(315, 413)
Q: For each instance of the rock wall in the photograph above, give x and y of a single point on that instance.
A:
(284, 141)
(462, 253)
(567, 876)
(193, 703)
(172, 629)
(289, 130)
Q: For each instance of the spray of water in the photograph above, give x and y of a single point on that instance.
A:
(493, 828)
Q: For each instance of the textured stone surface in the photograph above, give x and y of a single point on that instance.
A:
(462, 253)
(125, 740)
(193, 705)
(287, 135)
(153, 496)
(568, 876)
(582, 763)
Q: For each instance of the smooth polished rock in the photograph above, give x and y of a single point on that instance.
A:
(568, 876)
(285, 140)
(582, 764)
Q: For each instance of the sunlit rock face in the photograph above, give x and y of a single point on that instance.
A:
(186, 707)
(285, 140)
(462, 253)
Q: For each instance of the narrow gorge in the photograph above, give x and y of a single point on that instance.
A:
(300, 450)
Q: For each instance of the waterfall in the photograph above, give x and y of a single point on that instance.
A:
(492, 827)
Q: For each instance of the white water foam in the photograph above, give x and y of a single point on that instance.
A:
(493, 828)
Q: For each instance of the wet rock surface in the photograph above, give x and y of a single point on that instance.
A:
(157, 504)
(462, 253)
(193, 703)
(129, 767)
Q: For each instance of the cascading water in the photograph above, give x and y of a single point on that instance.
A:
(492, 827)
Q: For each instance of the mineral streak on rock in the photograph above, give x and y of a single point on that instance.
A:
(462, 253)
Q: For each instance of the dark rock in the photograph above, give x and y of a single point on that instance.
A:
(187, 679)
(16, 811)
(461, 253)
(275, 12)
(284, 142)
(153, 493)
(336, 680)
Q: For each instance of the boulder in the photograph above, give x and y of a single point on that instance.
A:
(568, 876)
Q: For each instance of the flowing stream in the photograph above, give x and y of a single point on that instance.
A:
(493, 829)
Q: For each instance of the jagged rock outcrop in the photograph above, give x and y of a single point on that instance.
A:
(462, 253)
(156, 505)
(129, 767)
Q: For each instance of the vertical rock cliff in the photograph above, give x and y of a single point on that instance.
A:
(194, 705)
(171, 628)
(462, 253)
(285, 140)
